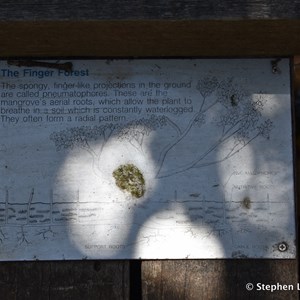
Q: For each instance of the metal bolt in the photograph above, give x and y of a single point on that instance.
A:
(282, 247)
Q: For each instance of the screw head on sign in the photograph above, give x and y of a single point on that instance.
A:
(282, 247)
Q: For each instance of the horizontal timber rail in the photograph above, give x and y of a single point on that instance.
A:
(149, 38)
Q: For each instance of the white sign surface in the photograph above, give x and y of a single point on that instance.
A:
(164, 158)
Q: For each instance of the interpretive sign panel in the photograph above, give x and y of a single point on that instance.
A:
(146, 158)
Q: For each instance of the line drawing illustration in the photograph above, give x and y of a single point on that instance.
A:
(238, 122)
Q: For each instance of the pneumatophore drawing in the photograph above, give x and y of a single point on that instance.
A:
(234, 113)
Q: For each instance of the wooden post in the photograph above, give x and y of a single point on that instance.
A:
(64, 280)
(216, 279)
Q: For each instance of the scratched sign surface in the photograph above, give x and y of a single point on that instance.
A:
(117, 159)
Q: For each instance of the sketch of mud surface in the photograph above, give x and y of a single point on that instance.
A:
(44, 217)
(44, 220)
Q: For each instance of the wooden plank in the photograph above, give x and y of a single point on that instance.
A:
(150, 38)
(64, 280)
(146, 9)
(216, 279)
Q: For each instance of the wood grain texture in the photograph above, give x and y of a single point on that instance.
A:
(150, 38)
(216, 279)
(74, 280)
(148, 9)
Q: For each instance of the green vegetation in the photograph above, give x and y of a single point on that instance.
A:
(129, 178)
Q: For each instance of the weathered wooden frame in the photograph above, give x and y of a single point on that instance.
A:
(148, 30)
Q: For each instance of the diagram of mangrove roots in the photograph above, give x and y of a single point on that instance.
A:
(226, 117)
